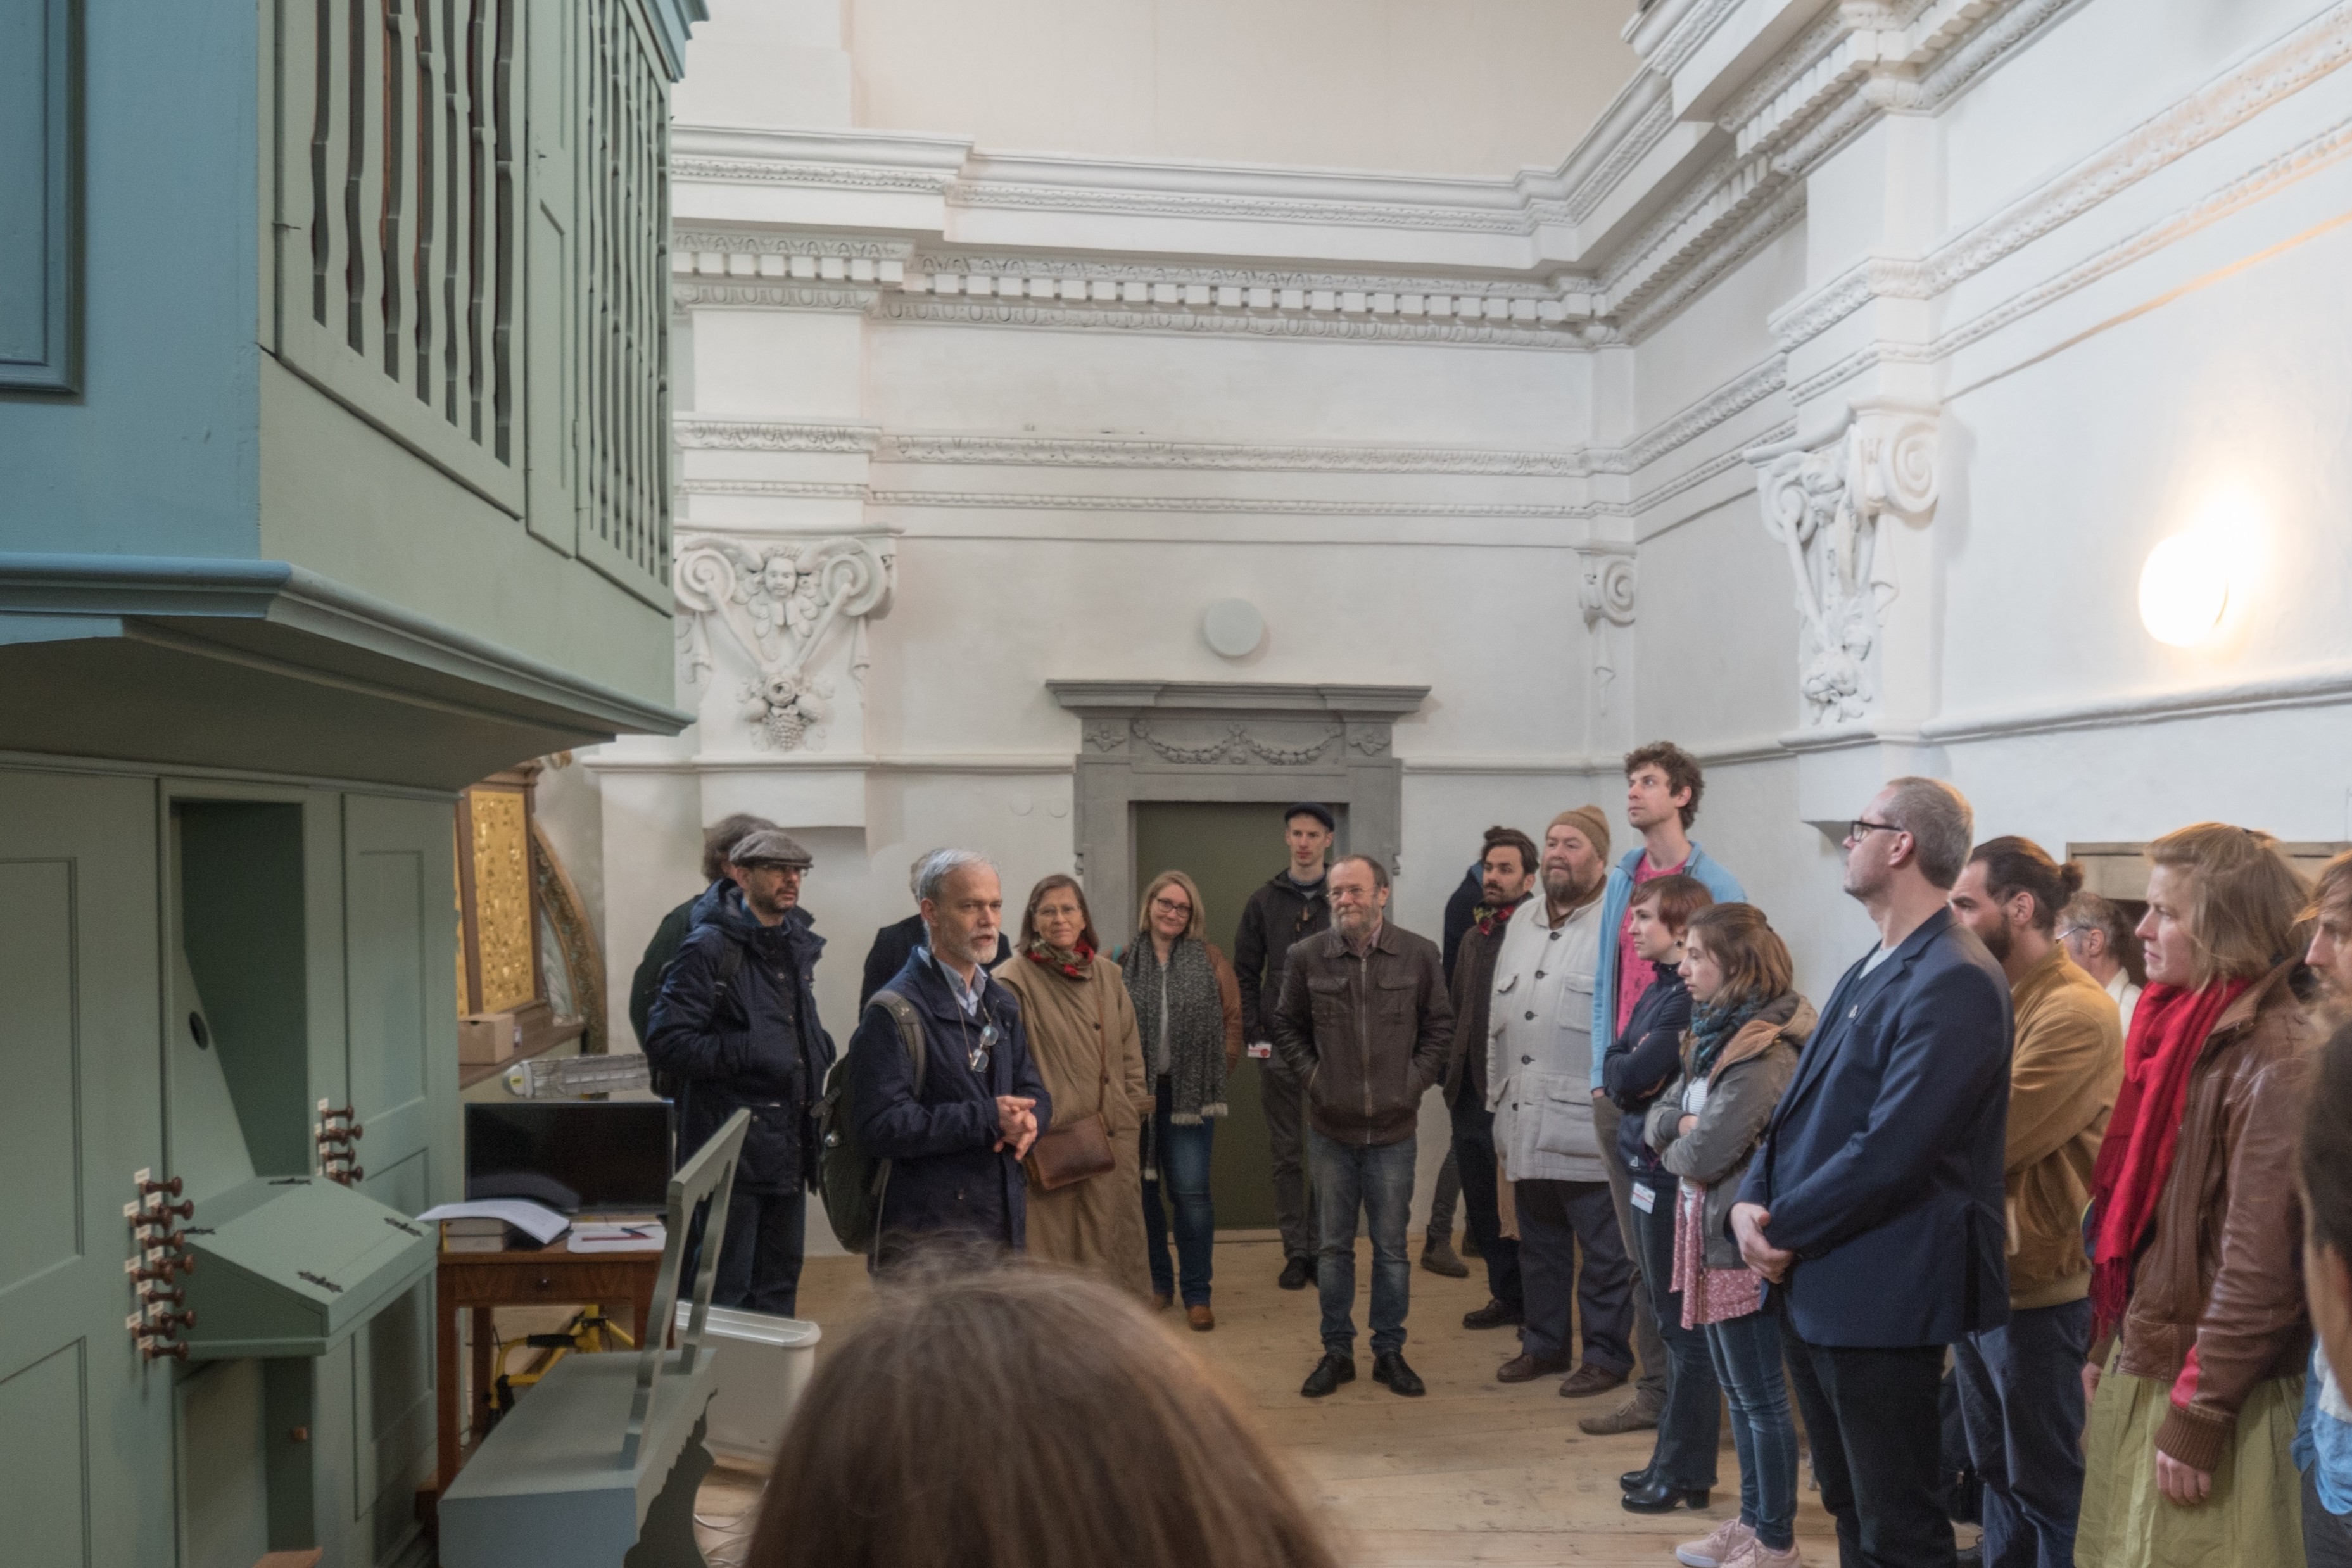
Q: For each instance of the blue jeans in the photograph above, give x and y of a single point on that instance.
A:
(1747, 1352)
(1183, 1156)
(1690, 1425)
(1348, 1178)
(2022, 1399)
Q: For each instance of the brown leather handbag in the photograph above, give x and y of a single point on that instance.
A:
(1064, 1156)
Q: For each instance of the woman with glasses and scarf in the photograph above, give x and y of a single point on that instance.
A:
(1082, 1036)
(1188, 1003)
(1747, 1023)
(2199, 1333)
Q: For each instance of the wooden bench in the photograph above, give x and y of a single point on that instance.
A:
(598, 1464)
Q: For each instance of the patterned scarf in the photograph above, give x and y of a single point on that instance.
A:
(1074, 965)
(1712, 1027)
(1196, 1024)
(2168, 1034)
(1491, 917)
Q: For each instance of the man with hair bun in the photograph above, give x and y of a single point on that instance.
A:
(2020, 1387)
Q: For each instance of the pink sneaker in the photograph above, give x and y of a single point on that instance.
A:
(1755, 1554)
(1726, 1542)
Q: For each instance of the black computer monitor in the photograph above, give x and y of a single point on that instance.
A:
(572, 1156)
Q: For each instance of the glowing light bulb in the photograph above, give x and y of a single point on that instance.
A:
(2185, 586)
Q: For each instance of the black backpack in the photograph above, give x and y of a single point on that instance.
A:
(851, 1181)
(668, 1085)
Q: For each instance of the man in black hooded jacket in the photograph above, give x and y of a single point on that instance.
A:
(1289, 908)
(735, 1025)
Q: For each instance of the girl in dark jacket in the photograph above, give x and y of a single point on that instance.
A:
(1746, 1026)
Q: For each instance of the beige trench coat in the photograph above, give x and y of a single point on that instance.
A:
(1095, 1225)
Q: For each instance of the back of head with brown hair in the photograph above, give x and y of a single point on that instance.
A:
(1754, 960)
(2101, 915)
(719, 841)
(2014, 865)
(2331, 891)
(1681, 770)
(1021, 1417)
(1678, 898)
(1037, 896)
(2246, 898)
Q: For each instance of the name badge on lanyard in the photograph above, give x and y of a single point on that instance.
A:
(1645, 1199)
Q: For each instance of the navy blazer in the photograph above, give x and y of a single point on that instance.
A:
(1882, 1165)
(945, 1178)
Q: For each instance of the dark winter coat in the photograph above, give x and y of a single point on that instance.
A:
(750, 1041)
(646, 983)
(946, 1177)
(1642, 1058)
(1278, 916)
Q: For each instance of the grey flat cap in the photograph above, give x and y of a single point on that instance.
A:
(769, 847)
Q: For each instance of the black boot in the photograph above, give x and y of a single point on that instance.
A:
(1494, 1315)
(1328, 1374)
(1634, 1480)
(1401, 1379)
(1297, 1272)
(1660, 1497)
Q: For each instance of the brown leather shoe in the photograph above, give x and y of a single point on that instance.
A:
(1526, 1368)
(1589, 1380)
(1161, 1303)
(1200, 1317)
(1638, 1414)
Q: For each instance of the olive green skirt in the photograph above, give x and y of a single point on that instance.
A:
(2254, 1517)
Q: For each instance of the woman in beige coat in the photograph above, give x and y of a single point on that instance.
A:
(1083, 1037)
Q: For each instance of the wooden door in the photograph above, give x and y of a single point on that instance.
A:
(398, 1072)
(1229, 850)
(86, 1460)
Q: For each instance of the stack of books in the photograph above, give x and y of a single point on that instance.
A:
(497, 1224)
(483, 1236)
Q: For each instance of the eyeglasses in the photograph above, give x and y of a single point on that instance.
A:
(1862, 827)
(978, 1055)
(1171, 906)
(2074, 930)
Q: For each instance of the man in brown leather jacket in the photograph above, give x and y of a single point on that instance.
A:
(2020, 1386)
(1364, 1023)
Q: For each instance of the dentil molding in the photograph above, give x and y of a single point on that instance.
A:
(1825, 504)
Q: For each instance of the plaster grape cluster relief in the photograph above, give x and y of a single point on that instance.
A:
(784, 606)
(1825, 505)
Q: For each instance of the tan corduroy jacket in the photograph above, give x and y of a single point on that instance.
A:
(2062, 1079)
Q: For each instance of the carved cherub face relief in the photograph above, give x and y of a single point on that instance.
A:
(779, 576)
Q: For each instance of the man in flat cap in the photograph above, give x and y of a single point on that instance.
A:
(735, 1026)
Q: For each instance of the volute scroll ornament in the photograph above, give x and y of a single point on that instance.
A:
(781, 604)
(1824, 505)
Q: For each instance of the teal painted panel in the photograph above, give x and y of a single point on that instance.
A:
(393, 1369)
(39, 1169)
(225, 1479)
(39, 157)
(242, 923)
(384, 891)
(44, 1454)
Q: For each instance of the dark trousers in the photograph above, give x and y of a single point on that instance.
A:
(1473, 1155)
(1877, 1446)
(760, 1258)
(1182, 1156)
(2326, 1537)
(2022, 1397)
(1555, 1219)
(1283, 1100)
(1445, 1198)
(1647, 1345)
(1375, 1182)
(1690, 1423)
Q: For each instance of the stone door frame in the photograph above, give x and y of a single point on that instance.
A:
(1145, 742)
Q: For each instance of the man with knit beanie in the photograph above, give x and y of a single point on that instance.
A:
(1540, 1056)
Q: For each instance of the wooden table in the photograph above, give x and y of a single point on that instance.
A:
(554, 1276)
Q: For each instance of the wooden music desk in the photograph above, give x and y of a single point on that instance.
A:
(554, 1276)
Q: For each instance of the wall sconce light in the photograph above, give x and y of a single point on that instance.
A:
(2185, 586)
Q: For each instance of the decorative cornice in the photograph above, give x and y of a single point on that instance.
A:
(1222, 320)
(686, 242)
(1247, 208)
(1734, 398)
(1093, 452)
(794, 490)
(1276, 506)
(685, 294)
(696, 433)
(763, 172)
(2318, 47)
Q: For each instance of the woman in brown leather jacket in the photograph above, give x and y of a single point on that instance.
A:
(2195, 1227)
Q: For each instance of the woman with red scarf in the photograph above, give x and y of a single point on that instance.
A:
(2195, 1230)
(1083, 1037)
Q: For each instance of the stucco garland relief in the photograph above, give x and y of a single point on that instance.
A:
(780, 603)
(1238, 743)
(1825, 506)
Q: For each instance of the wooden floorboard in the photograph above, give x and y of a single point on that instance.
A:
(1476, 1472)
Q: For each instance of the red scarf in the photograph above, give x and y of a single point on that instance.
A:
(2167, 1033)
(1490, 919)
(1076, 966)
